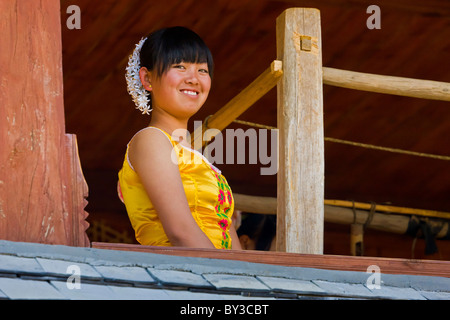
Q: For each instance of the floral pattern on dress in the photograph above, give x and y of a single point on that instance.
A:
(223, 206)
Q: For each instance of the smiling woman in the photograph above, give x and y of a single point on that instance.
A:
(173, 203)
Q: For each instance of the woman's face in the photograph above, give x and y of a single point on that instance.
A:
(182, 90)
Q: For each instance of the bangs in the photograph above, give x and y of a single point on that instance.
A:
(170, 46)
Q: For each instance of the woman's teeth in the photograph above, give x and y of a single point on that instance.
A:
(189, 92)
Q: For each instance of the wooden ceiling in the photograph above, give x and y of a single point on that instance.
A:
(414, 41)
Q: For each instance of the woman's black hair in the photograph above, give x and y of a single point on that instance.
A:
(173, 45)
(259, 227)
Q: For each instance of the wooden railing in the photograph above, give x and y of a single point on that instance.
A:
(299, 75)
(330, 262)
(408, 87)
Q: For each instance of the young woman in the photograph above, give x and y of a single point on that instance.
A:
(173, 195)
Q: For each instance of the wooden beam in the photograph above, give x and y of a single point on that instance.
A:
(408, 87)
(268, 205)
(395, 220)
(240, 103)
(330, 262)
(300, 176)
(390, 209)
(255, 204)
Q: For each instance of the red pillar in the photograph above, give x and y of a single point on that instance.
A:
(42, 189)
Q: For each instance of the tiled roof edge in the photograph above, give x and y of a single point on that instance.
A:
(97, 257)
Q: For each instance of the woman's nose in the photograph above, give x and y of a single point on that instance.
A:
(192, 76)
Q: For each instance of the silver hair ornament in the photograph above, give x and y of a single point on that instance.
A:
(140, 96)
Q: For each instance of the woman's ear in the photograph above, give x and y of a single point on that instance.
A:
(145, 77)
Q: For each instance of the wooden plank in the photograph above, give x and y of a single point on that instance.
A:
(329, 262)
(408, 87)
(300, 177)
(240, 103)
(79, 192)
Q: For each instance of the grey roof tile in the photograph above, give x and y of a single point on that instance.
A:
(189, 295)
(426, 283)
(345, 289)
(133, 275)
(245, 297)
(16, 288)
(179, 278)
(13, 264)
(431, 295)
(430, 283)
(40, 271)
(63, 268)
(3, 296)
(235, 282)
(291, 285)
(87, 291)
(132, 293)
(387, 292)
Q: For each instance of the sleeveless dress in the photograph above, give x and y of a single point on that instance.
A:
(207, 191)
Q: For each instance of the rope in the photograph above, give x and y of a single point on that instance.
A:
(358, 144)
(394, 150)
(371, 213)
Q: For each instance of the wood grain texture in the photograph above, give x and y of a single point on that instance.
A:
(77, 198)
(300, 213)
(416, 88)
(36, 201)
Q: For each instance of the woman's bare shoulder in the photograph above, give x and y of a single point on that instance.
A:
(151, 136)
(149, 144)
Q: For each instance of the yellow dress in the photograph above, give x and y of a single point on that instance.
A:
(207, 191)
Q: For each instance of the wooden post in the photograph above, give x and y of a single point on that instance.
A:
(42, 189)
(357, 239)
(300, 199)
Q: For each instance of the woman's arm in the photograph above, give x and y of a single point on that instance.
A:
(150, 155)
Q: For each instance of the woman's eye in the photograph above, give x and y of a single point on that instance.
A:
(179, 66)
(203, 71)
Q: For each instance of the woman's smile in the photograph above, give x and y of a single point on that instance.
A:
(192, 93)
